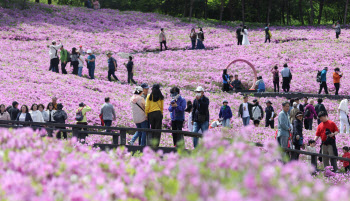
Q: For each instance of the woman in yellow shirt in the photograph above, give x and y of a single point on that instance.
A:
(84, 109)
(154, 111)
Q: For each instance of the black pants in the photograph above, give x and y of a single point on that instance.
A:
(54, 65)
(286, 84)
(239, 40)
(58, 135)
(63, 67)
(112, 73)
(295, 156)
(270, 123)
(177, 125)
(226, 87)
(131, 78)
(347, 168)
(276, 85)
(337, 35)
(323, 85)
(337, 86)
(267, 38)
(75, 67)
(161, 45)
(309, 124)
(155, 119)
(306, 124)
(81, 136)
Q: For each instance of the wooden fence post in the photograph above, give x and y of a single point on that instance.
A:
(115, 139)
(123, 137)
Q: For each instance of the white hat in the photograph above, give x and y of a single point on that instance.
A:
(89, 51)
(199, 89)
(53, 41)
(138, 89)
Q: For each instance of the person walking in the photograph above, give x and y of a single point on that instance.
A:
(75, 60)
(297, 134)
(130, 68)
(336, 79)
(80, 64)
(225, 81)
(239, 35)
(154, 112)
(245, 111)
(112, 67)
(245, 36)
(54, 59)
(343, 111)
(24, 115)
(310, 114)
(257, 112)
(225, 114)
(108, 113)
(64, 59)
(193, 37)
(327, 130)
(306, 99)
(293, 113)
(276, 79)
(162, 39)
(201, 116)
(13, 111)
(267, 33)
(60, 117)
(269, 115)
(91, 64)
(200, 39)
(137, 103)
(319, 107)
(337, 29)
(51, 112)
(177, 113)
(323, 83)
(81, 118)
(260, 84)
(284, 128)
(4, 115)
(287, 77)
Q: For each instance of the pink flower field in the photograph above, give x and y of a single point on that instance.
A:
(34, 168)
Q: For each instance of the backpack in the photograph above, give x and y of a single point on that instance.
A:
(276, 76)
(79, 115)
(318, 77)
(261, 85)
(307, 113)
(68, 56)
(58, 116)
(256, 112)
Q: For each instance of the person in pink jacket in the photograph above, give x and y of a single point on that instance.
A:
(310, 114)
(4, 115)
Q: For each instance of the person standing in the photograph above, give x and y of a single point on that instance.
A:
(310, 114)
(336, 79)
(177, 113)
(286, 76)
(323, 83)
(297, 134)
(91, 64)
(269, 115)
(193, 37)
(145, 89)
(283, 126)
(200, 116)
(306, 99)
(80, 64)
(225, 81)
(13, 111)
(245, 36)
(130, 68)
(245, 111)
(337, 29)
(327, 129)
(276, 79)
(108, 113)
(51, 112)
(162, 39)
(200, 39)
(24, 114)
(81, 112)
(257, 112)
(36, 116)
(64, 59)
(239, 35)
(81, 51)
(112, 67)
(75, 60)
(319, 107)
(267, 33)
(299, 105)
(54, 102)
(54, 59)
(343, 111)
(45, 115)
(4, 115)
(225, 114)
(154, 112)
(293, 112)
(60, 117)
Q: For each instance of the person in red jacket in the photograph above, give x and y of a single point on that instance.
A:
(346, 155)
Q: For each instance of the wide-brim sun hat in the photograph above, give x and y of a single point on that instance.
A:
(199, 89)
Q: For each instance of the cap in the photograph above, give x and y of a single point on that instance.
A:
(268, 102)
(89, 51)
(109, 53)
(80, 46)
(53, 41)
(224, 101)
(295, 104)
(299, 114)
(81, 104)
(138, 89)
(255, 100)
(199, 89)
(144, 86)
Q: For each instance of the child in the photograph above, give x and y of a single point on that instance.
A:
(311, 148)
(256, 123)
(216, 123)
(225, 114)
(346, 155)
(189, 109)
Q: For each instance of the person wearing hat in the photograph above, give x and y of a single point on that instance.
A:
(154, 112)
(269, 115)
(145, 88)
(91, 64)
(137, 104)
(297, 133)
(286, 76)
(177, 113)
(257, 111)
(60, 117)
(245, 111)
(225, 114)
(337, 29)
(81, 51)
(200, 117)
(54, 60)
(83, 109)
(112, 67)
(293, 112)
(323, 83)
(130, 68)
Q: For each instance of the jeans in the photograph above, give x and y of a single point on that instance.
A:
(54, 65)
(193, 44)
(276, 85)
(80, 71)
(142, 134)
(92, 72)
(226, 123)
(108, 123)
(323, 85)
(261, 90)
(200, 44)
(283, 142)
(199, 126)
(177, 125)
(337, 86)
(155, 119)
(112, 73)
(270, 123)
(161, 45)
(130, 78)
(328, 150)
(246, 120)
(63, 67)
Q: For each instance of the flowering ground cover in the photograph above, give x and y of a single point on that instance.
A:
(24, 77)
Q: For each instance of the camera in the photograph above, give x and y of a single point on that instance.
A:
(173, 102)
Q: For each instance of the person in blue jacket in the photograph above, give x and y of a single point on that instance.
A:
(225, 114)
(225, 81)
(260, 84)
(177, 112)
(323, 83)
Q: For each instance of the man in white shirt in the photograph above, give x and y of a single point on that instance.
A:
(287, 76)
(54, 60)
(245, 111)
